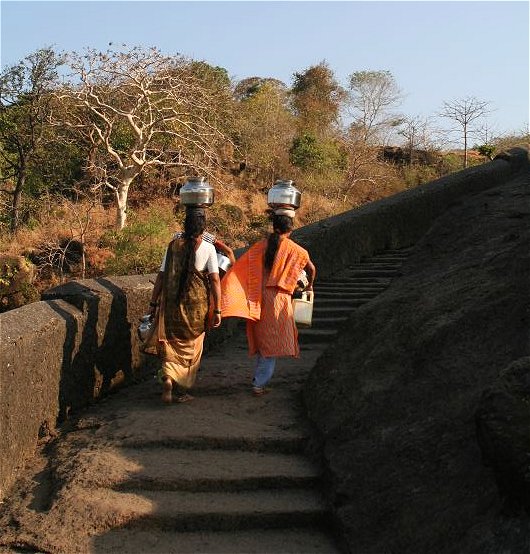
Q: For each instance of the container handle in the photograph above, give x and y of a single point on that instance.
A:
(308, 295)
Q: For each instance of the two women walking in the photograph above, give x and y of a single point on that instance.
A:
(188, 297)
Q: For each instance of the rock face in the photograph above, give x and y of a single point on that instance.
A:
(503, 421)
(395, 399)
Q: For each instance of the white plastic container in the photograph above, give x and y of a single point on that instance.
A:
(303, 309)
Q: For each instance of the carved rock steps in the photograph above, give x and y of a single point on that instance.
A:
(337, 297)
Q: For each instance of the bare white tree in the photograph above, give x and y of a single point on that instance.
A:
(138, 109)
(373, 95)
(464, 114)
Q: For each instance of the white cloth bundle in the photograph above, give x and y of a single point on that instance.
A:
(284, 211)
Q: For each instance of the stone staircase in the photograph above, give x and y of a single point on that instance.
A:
(336, 298)
(227, 473)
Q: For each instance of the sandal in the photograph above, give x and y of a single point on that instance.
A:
(260, 391)
(184, 397)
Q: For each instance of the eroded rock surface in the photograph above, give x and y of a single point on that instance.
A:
(395, 398)
(503, 421)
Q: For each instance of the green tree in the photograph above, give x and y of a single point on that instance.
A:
(26, 107)
(216, 81)
(310, 153)
(317, 99)
(248, 87)
(266, 126)
(486, 150)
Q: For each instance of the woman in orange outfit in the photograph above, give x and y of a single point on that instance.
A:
(258, 287)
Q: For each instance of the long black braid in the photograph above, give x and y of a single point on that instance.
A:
(280, 224)
(194, 225)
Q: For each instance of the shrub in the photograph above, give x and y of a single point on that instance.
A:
(414, 175)
(308, 153)
(226, 220)
(138, 248)
(17, 275)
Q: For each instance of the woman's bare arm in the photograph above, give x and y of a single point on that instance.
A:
(226, 250)
(155, 295)
(215, 283)
(311, 271)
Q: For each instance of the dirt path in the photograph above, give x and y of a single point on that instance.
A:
(225, 473)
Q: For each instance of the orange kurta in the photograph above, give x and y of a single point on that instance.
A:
(264, 299)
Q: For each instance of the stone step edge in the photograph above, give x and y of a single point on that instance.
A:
(286, 445)
(222, 484)
(180, 511)
(252, 541)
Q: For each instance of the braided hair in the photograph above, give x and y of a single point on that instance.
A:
(194, 225)
(281, 224)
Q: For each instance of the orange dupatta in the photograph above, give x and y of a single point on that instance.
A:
(242, 285)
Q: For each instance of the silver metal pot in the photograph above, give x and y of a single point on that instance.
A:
(223, 262)
(145, 327)
(197, 192)
(284, 195)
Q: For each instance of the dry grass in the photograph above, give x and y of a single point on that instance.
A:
(59, 221)
(238, 217)
(315, 207)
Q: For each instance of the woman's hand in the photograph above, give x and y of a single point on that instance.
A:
(155, 295)
(216, 320)
(152, 310)
(215, 283)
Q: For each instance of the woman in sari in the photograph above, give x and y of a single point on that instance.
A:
(258, 287)
(180, 304)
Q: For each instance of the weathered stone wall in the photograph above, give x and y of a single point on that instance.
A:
(38, 343)
(399, 221)
(80, 342)
(60, 354)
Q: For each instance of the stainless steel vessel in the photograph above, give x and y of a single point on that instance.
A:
(145, 327)
(283, 194)
(197, 192)
(223, 262)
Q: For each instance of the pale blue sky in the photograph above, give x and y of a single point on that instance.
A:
(437, 51)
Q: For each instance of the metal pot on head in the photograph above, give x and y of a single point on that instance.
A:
(284, 195)
(196, 192)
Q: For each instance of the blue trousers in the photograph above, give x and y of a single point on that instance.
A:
(263, 371)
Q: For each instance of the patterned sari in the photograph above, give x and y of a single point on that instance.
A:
(180, 323)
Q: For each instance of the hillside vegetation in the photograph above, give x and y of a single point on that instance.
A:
(91, 163)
